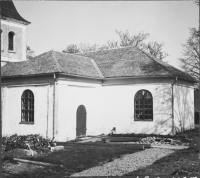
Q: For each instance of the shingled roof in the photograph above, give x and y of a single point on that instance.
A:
(52, 62)
(113, 63)
(132, 62)
(8, 11)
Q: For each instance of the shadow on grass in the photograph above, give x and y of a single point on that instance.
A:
(181, 162)
(46, 172)
(74, 159)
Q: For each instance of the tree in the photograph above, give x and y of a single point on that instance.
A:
(196, 2)
(29, 53)
(136, 40)
(125, 39)
(190, 61)
(71, 49)
(110, 45)
(153, 48)
(156, 49)
(83, 47)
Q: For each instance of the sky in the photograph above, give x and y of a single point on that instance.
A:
(56, 24)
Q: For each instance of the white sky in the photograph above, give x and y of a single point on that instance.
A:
(58, 24)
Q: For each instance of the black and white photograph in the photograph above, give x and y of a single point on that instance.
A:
(100, 88)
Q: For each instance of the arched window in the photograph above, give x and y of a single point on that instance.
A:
(11, 41)
(27, 106)
(143, 106)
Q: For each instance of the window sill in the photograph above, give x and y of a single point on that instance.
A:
(11, 51)
(29, 123)
(147, 120)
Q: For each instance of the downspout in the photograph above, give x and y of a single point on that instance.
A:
(54, 103)
(47, 112)
(173, 105)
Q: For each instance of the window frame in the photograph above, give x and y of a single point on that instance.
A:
(13, 41)
(27, 108)
(142, 100)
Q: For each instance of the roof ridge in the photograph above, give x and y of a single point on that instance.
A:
(96, 67)
(73, 54)
(92, 60)
(56, 50)
(150, 56)
(167, 65)
(59, 68)
(119, 47)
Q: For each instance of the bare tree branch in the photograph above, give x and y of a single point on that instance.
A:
(190, 60)
(125, 39)
(29, 53)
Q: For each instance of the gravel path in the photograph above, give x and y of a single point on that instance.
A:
(127, 163)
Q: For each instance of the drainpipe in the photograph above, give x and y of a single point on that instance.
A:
(47, 112)
(54, 103)
(173, 105)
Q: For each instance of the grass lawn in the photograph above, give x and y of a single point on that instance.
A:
(78, 157)
(75, 158)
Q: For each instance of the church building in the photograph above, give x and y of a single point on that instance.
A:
(66, 96)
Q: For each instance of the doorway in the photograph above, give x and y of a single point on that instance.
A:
(81, 121)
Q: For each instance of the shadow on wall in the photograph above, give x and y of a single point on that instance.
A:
(162, 110)
(184, 110)
(197, 106)
(197, 100)
(162, 122)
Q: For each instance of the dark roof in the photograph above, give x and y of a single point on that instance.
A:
(52, 62)
(8, 10)
(132, 62)
(113, 63)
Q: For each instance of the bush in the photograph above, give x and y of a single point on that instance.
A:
(33, 141)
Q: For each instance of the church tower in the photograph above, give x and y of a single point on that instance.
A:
(13, 34)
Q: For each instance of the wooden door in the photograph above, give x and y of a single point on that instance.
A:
(81, 121)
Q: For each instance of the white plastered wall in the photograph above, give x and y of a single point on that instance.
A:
(106, 106)
(110, 106)
(19, 53)
(43, 107)
(183, 107)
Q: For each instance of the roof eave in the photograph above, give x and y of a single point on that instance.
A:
(98, 78)
(30, 75)
(151, 76)
(45, 74)
(14, 20)
(83, 76)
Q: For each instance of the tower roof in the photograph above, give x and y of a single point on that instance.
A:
(9, 12)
